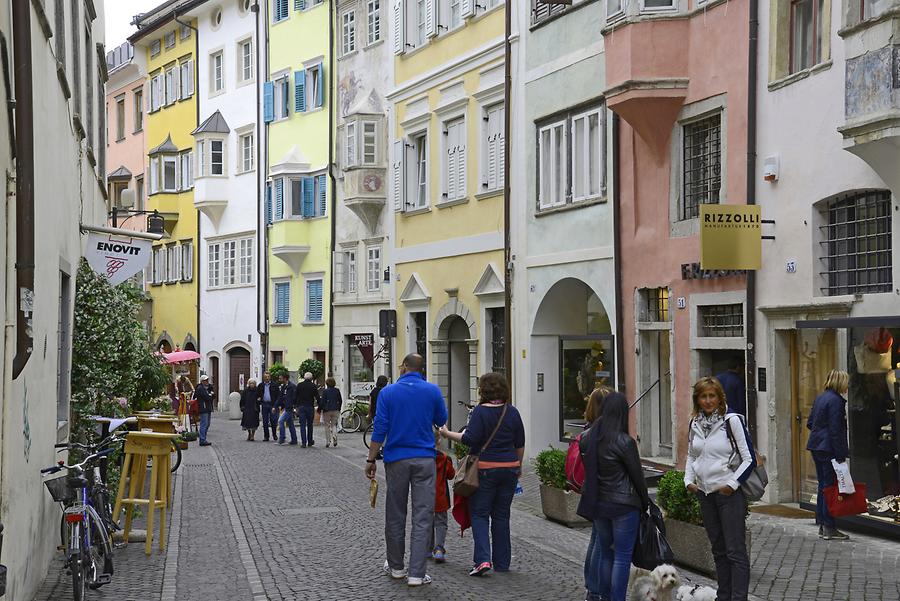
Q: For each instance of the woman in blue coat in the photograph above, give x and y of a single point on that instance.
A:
(828, 440)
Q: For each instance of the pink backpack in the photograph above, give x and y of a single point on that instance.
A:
(575, 465)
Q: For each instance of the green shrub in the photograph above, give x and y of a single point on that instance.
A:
(550, 465)
(675, 499)
(277, 370)
(316, 368)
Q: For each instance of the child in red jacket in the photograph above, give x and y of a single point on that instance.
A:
(444, 471)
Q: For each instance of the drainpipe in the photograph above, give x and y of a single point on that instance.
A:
(24, 103)
(262, 29)
(507, 250)
(617, 255)
(752, 59)
(261, 225)
(332, 66)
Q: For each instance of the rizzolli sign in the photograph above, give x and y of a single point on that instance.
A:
(117, 258)
(730, 237)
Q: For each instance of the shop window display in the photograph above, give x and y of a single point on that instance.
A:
(586, 363)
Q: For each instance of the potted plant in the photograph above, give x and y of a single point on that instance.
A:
(684, 524)
(557, 502)
(181, 442)
(189, 436)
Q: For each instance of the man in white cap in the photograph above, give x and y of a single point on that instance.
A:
(205, 402)
(307, 399)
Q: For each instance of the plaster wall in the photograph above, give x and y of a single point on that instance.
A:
(130, 151)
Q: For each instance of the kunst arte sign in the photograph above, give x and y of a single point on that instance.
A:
(117, 258)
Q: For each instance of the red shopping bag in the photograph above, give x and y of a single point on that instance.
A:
(840, 504)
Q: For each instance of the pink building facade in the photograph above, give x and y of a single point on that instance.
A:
(126, 152)
(677, 82)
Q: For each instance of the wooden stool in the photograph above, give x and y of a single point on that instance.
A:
(139, 447)
(164, 425)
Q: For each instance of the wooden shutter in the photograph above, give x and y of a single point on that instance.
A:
(279, 199)
(430, 18)
(337, 280)
(321, 194)
(307, 192)
(398, 174)
(467, 7)
(314, 300)
(501, 145)
(300, 91)
(282, 302)
(399, 31)
(269, 203)
(320, 89)
(268, 102)
(461, 182)
(451, 164)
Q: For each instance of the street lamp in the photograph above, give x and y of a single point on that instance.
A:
(155, 221)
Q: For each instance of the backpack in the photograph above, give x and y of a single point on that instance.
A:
(575, 465)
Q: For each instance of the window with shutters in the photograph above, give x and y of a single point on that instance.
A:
(138, 110)
(246, 144)
(348, 32)
(216, 72)
(279, 10)
(155, 48)
(351, 144)
(156, 98)
(187, 261)
(373, 268)
(159, 264)
(245, 61)
(282, 301)
(418, 197)
(350, 274)
(184, 32)
(305, 197)
(552, 165)
(281, 97)
(173, 264)
(493, 148)
(170, 40)
(315, 87)
(154, 175)
(587, 160)
(454, 167)
(314, 301)
(120, 118)
(373, 21)
(360, 141)
(422, 10)
(171, 83)
(187, 169)
(187, 78)
(542, 10)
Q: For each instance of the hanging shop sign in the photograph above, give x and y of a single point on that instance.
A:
(117, 257)
(730, 237)
(366, 345)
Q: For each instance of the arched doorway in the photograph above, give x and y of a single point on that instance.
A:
(214, 378)
(458, 371)
(572, 352)
(238, 369)
(193, 366)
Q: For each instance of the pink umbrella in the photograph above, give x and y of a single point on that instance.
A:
(180, 356)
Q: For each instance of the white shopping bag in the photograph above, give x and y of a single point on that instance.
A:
(844, 481)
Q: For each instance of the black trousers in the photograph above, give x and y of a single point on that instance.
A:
(725, 520)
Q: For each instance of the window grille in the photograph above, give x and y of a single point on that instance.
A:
(702, 165)
(857, 244)
(497, 318)
(722, 321)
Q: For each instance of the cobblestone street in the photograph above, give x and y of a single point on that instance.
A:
(255, 521)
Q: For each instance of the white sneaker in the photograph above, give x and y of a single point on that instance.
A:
(395, 574)
(418, 581)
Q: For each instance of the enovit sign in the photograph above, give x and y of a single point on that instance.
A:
(116, 257)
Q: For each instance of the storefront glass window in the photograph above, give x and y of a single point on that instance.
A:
(586, 363)
(362, 377)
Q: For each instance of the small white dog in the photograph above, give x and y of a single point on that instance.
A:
(656, 585)
(696, 592)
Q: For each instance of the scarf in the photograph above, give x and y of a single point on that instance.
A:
(707, 422)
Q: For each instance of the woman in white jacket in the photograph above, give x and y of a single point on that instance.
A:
(718, 459)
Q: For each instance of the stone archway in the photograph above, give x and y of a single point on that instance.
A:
(454, 352)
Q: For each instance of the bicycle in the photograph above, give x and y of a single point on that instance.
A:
(352, 417)
(85, 534)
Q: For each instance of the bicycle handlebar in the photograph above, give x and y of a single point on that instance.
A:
(78, 466)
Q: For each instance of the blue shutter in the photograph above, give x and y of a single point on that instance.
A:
(320, 89)
(282, 302)
(299, 4)
(268, 102)
(281, 10)
(314, 300)
(300, 91)
(321, 193)
(268, 203)
(307, 187)
(279, 199)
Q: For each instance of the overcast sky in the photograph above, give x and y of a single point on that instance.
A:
(119, 14)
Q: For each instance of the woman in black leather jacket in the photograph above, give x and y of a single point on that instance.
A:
(613, 496)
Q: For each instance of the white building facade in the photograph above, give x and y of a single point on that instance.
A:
(65, 96)
(363, 243)
(827, 290)
(226, 192)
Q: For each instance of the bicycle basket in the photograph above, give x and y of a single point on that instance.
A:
(60, 490)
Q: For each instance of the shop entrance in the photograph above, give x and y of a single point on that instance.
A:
(655, 409)
(458, 372)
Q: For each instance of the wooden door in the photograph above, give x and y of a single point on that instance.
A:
(214, 377)
(238, 365)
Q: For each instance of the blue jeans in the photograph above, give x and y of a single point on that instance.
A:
(204, 426)
(825, 474)
(307, 415)
(287, 417)
(489, 508)
(608, 561)
(269, 419)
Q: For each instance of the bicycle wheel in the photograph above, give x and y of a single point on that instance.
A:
(176, 456)
(367, 433)
(350, 421)
(77, 563)
(99, 556)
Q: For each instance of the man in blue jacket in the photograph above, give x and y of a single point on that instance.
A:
(732, 382)
(407, 413)
(287, 396)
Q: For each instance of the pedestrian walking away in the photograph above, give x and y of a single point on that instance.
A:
(828, 440)
(499, 467)
(267, 393)
(204, 406)
(612, 498)
(709, 475)
(330, 408)
(287, 395)
(732, 381)
(443, 471)
(250, 409)
(380, 383)
(307, 399)
(408, 411)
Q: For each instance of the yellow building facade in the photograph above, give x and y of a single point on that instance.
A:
(171, 116)
(297, 105)
(447, 189)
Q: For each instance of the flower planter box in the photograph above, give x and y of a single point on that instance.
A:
(182, 444)
(691, 546)
(560, 506)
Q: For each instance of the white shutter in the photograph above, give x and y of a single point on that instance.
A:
(399, 175)
(450, 162)
(467, 7)
(399, 31)
(337, 284)
(461, 190)
(430, 20)
(500, 142)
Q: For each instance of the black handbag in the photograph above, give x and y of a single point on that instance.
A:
(651, 549)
